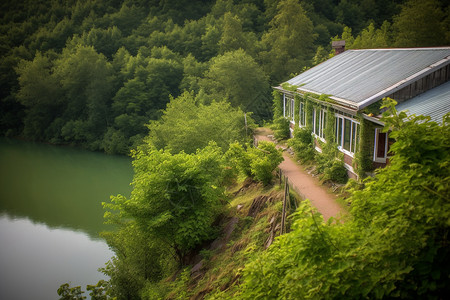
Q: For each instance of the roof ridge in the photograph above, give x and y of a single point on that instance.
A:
(402, 49)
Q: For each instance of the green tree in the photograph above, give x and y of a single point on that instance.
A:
(288, 45)
(86, 78)
(105, 41)
(236, 77)
(142, 97)
(193, 72)
(420, 24)
(41, 95)
(233, 37)
(139, 257)
(371, 38)
(347, 36)
(349, 12)
(176, 197)
(187, 126)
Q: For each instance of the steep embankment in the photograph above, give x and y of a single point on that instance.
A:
(251, 223)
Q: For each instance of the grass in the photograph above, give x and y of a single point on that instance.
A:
(221, 269)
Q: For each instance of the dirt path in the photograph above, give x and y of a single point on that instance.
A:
(304, 184)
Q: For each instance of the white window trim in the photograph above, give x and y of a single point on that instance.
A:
(292, 116)
(300, 114)
(321, 124)
(349, 153)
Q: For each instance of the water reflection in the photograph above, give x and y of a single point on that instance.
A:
(60, 186)
(51, 214)
(35, 259)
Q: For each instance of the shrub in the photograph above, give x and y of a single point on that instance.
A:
(302, 143)
(258, 163)
(336, 172)
(281, 128)
(264, 160)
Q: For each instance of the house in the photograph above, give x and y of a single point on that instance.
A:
(345, 93)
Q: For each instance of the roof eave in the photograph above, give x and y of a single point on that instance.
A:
(342, 104)
(341, 101)
(373, 119)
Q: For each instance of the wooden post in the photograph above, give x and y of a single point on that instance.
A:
(288, 197)
(283, 214)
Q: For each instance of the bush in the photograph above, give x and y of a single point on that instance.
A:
(264, 160)
(302, 144)
(336, 172)
(258, 163)
(281, 128)
(330, 164)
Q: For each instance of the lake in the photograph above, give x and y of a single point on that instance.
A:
(51, 216)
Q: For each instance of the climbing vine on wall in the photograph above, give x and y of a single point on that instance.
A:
(309, 111)
(297, 109)
(331, 161)
(363, 162)
(277, 105)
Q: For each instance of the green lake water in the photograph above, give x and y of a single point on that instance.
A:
(51, 216)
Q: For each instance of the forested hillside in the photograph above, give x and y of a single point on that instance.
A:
(93, 73)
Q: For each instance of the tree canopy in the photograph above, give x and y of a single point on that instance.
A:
(93, 73)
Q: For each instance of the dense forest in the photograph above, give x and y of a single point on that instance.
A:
(94, 73)
(180, 85)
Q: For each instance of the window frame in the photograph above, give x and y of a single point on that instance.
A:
(353, 134)
(387, 144)
(289, 108)
(292, 117)
(321, 123)
(302, 114)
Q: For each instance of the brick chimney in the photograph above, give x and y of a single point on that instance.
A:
(338, 46)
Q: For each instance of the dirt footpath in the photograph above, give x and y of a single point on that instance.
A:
(304, 184)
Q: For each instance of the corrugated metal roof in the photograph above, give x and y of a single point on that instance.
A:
(361, 77)
(434, 103)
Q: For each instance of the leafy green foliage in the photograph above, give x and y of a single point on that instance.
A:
(97, 292)
(264, 159)
(140, 258)
(421, 22)
(281, 128)
(93, 73)
(302, 144)
(258, 162)
(237, 77)
(70, 293)
(172, 208)
(330, 163)
(187, 125)
(288, 44)
(277, 105)
(176, 197)
(394, 244)
(362, 162)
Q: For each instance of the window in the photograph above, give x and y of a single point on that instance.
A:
(347, 134)
(292, 117)
(382, 146)
(302, 113)
(319, 122)
(289, 108)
